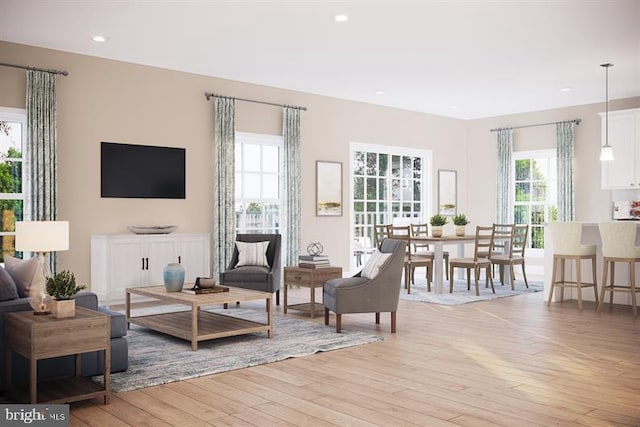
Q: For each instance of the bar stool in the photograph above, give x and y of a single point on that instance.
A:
(566, 246)
(619, 245)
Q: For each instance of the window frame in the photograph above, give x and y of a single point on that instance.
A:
(551, 155)
(426, 183)
(16, 115)
(262, 140)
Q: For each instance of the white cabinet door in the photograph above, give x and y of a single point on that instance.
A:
(125, 266)
(193, 254)
(160, 251)
(622, 171)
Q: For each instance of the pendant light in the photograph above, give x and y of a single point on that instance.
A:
(606, 152)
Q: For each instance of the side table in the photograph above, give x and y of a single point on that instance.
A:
(311, 278)
(43, 337)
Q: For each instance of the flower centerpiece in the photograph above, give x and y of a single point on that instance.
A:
(437, 222)
(62, 287)
(460, 221)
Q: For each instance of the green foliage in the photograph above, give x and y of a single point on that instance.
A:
(63, 285)
(438, 220)
(460, 219)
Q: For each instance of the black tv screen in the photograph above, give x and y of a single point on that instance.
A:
(142, 171)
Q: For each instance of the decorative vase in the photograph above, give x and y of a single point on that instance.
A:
(461, 230)
(436, 231)
(63, 308)
(173, 275)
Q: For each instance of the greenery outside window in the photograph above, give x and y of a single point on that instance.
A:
(258, 193)
(12, 138)
(535, 193)
(387, 183)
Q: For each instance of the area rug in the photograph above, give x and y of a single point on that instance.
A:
(461, 295)
(156, 358)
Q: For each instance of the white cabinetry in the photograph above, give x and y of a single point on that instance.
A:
(624, 137)
(129, 260)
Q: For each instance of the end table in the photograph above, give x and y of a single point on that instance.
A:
(43, 337)
(311, 278)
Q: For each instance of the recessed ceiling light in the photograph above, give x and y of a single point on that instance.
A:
(99, 39)
(380, 92)
(565, 89)
(341, 17)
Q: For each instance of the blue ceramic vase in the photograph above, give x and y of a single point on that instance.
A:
(173, 275)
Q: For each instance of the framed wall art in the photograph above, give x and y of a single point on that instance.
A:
(447, 192)
(328, 188)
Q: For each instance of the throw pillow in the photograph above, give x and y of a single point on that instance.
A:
(8, 289)
(250, 253)
(374, 264)
(23, 272)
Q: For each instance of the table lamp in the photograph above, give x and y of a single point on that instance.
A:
(41, 237)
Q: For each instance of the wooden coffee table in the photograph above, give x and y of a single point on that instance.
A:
(198, 325)
(43, 337)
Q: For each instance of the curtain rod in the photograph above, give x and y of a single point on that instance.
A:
(209, 95)
(576, 121)
(24, 67)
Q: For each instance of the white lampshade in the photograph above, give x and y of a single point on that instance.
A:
(606, 153)
(42, 236)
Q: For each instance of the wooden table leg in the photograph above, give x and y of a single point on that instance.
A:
(194, 327)
(107, 374)
(312, 311)
(284, 309)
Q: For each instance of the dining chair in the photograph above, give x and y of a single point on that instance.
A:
(619, 246)
(380, 232)
(411, 259)
(482, 245)
(502, 241)
(567, 246)
(515, 246)
(422, 230)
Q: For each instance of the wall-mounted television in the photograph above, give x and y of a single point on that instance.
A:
(142, 171)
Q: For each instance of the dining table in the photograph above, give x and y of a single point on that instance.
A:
(438, 243)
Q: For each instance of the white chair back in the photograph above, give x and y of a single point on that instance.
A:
(619, 239)
(566, 237)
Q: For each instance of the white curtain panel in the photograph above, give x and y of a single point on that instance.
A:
(565, 136)
(224, 220)
(41, 186)
(292, 178)
(504, 180)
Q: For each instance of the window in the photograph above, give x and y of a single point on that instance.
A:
(387, 183)
(12, 136)
(535, 192)
(258, 160)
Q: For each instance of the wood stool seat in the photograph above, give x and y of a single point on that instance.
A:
(566, 245)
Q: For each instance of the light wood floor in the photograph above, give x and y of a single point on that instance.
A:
(511, 362)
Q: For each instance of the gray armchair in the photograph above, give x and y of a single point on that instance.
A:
(359, 294)
(258, 278)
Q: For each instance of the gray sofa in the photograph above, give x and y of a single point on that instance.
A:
(92, 363)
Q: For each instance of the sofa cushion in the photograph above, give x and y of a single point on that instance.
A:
(252, 253)
(246, 274)
(23, 272)
(8, 289)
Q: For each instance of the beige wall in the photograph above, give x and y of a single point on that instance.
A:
(103, 100)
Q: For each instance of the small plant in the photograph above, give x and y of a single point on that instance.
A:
(460, 219)
(438, 220)
(63, 286)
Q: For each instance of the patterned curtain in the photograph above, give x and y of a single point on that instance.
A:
(565, 136)
(224, 223)
(292, 178)
(504, 207)
(41, 177)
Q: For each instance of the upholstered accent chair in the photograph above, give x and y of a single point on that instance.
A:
(375, 289)
(260, 274)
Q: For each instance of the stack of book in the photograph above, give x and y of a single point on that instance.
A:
(313, 261)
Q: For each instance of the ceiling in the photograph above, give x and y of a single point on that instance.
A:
(462, 59)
